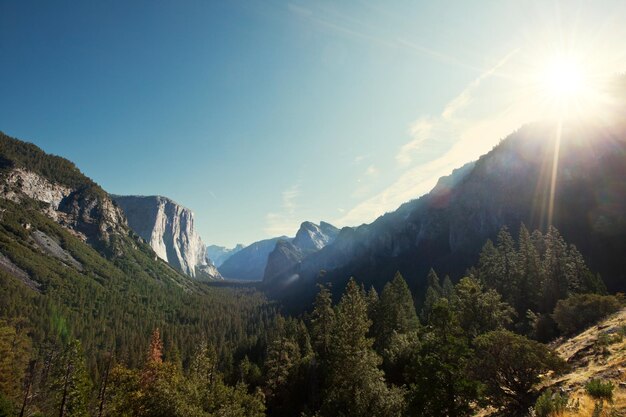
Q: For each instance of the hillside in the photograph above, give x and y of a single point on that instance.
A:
(70, 267)
(446, 228)
(597, 353)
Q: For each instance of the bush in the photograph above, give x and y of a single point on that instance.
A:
(6, 407)
(550, 404)
(583, 310)
(509, 366)
(599, 390)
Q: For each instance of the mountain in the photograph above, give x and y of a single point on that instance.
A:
(309, 239)
(249, 263)
(71, 268)
(62, 193)
(219, 254)
(169, 229)
(446, 228)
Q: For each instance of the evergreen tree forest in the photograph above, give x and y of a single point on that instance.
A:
(474, 343)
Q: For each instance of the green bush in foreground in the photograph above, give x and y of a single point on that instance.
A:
(550, 404)
(583, 310)
(600, 391)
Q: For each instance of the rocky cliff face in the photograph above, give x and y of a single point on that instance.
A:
(86, 211)
(309, 239)
(169, 229)
(219, 254)
(313, 237)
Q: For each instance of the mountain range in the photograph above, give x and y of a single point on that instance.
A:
(512, 184)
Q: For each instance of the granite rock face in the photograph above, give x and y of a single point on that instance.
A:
(219, 254)
(87, 213)
(309, 239)
(169, 229)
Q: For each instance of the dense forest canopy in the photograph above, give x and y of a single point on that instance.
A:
(225, 351)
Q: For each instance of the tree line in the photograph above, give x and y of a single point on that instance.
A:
(472, 344)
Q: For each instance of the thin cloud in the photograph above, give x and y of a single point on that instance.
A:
(284, 222)
(468, 139)
(420, 132)
(462, 100)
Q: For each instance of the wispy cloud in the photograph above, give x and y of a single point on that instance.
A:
(284, 222)
(465, 140)
(365, 181)
(423, 128)
(420, 132)
(463, 99)
(360, 158)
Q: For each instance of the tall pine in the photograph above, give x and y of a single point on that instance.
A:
(355, 386)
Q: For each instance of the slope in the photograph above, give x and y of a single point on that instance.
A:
(510, 185)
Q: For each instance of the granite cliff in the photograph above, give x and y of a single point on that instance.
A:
(169, 229)
(309, 239)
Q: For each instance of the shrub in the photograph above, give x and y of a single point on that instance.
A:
(583, 310)
(599, 390)
(550, 404)
(6, 406)
(510, 365)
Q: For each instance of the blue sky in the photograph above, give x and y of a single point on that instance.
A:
(260, 115)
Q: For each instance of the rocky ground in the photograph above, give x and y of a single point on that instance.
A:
(597, 353)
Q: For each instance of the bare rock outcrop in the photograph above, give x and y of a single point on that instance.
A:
(169, 229)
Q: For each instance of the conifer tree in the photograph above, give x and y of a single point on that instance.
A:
(372, 303)
(355, 386)
(529, 284)
(322, 323)
(71, 384)
(555, 285)
(439, 379)
(448, 288)
(479, 310)
(395, 313)
(433, 293)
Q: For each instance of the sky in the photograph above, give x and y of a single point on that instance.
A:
(261, 115)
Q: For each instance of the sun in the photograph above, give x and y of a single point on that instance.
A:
(563, 79)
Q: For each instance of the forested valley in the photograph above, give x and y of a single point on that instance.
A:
(219, 351)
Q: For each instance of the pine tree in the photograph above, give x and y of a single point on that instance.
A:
(372, 303)
(322, 323)
(433, 293)
(155, 353)
(448, 288)
(282, 376)
(490, 268)
(154, 358)
(71, 385)
(508, 280)
(439, 379)
(555, 286)
(355, 386)
(529, 285)
(15, 353)
(433, 281)
(479, 310)
(395, 313)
